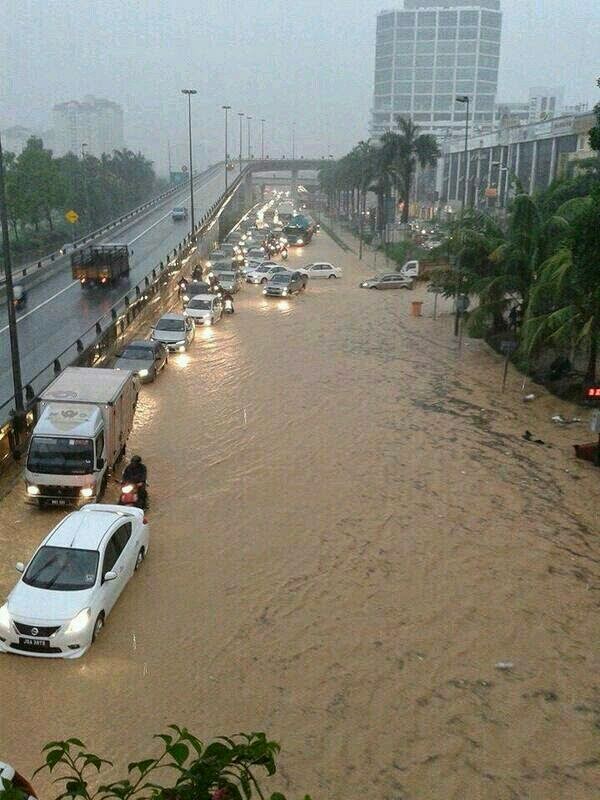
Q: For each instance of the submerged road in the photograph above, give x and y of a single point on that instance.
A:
(348, 534)
(59, 311)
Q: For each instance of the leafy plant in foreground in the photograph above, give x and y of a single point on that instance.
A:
(226, 769)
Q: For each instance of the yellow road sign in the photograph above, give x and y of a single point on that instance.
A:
(72, 216)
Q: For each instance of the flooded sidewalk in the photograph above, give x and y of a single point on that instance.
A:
(353, 549)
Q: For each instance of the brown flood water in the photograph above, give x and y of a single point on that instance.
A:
(348, 533)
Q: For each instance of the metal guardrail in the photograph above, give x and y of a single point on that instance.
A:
(96, 343)
(34, 266)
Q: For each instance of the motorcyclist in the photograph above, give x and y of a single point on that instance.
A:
(135, 472)
(227, 299)
(19, 295)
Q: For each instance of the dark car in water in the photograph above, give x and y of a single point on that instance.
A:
(285, 283)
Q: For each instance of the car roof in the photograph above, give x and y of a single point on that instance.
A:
(141, 343)
(84, 529)
(173, 315)
(203, 296)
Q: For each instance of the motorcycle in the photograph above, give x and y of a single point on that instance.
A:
(228, 307)
(284, 254)
(19, 296)
(133, 496)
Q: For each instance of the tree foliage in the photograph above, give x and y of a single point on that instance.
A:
(229, 768)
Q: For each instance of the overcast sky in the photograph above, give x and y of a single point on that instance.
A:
(305, 60)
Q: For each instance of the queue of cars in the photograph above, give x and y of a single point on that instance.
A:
(75, 576)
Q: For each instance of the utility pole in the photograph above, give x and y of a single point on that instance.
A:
(248, 121)
(226, 109)
(293, 140)
(462, 98)
(189, 93)
(241, 115)
(10, 303)
(262, 139)
(86, 189)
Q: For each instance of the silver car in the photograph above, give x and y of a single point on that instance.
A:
(388, 280)
(175, 331)
(144, 358)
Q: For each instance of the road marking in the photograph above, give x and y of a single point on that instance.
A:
(154, 224)
(41, 305)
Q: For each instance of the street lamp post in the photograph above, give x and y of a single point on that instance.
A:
(293, 140)
(462, 98)
(262, 139)
(226, 109)
(189, 93)
(241, 116)
(10, 303)
(248, 121)
(86, 189)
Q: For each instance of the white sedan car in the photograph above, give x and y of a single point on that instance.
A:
(204, 309)
(321, 269)
(264, 273)
(60, 604)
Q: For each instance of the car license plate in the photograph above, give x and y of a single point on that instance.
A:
(41, 643)
(58, 502)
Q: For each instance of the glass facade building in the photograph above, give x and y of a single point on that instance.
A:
(429, 52)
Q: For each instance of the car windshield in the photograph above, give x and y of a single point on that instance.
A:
(137, 352)
(167, 324)
(64, 569)
(227, 276)
(178, 210)
(264, 269)
(60, 456)
(197, 302)
(281, 277)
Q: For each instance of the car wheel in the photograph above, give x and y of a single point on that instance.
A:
(140, 557)
(332, 276)
(212, 320)
(98, 625)
(264, 280)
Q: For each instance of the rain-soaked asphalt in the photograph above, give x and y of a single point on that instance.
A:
(348, 534)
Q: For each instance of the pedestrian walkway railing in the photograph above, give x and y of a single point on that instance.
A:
(99, 342)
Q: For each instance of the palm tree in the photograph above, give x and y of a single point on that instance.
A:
(564, 305)
(411, 148)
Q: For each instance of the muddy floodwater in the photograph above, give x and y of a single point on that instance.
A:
(349, 534)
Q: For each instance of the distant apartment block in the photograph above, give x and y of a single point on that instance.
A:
(95, 122)
(15, 138)
(545, 102)
(428, 53)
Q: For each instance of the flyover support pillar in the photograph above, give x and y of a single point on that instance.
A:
(294, 184)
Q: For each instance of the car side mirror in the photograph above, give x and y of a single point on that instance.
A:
(100, 463)
(20, 566)
(110, 576)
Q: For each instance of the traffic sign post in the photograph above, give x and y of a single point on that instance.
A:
(508, 347)
(72, 217)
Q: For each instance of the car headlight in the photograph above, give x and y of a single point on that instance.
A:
(300, 241)
(208, 264)
(143, 373)
(264, 291)
(364, 285)
(87, 491)
(80, 622)
(128, 488)
(186, 298)
(4, 617)
(181, 348)
(207, 321)
(284, 291)
(32, 491)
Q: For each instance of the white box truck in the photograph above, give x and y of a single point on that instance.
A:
(84, 419)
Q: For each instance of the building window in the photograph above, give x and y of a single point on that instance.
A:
(484, 102)
(383, 102)
(465, 87)
(422, 117)
(467, 33)
(467, 46)
(444, 87)
(442, 117)
(490, 75)
(485, 87)
(423, 74)
(403, 61)
(425, 33)
(405, 34)
(385, 36)
(402, 102)
(382, 63)
(427, 18)
(466, 61)
(445, 61)
(383, 75)
(422, 102)
(447, 33)
(425, 47)
(384, 50)
(465, 74)
(488, 61)
(443, 102)
(490, 48)
(405, 19)
(402, 87)
(383, 88)
(491, 19)
(491, 34)
(448, 18)
(385, 21)
(423, 87)
(424, 61)
(469, 17)
(446, 47)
